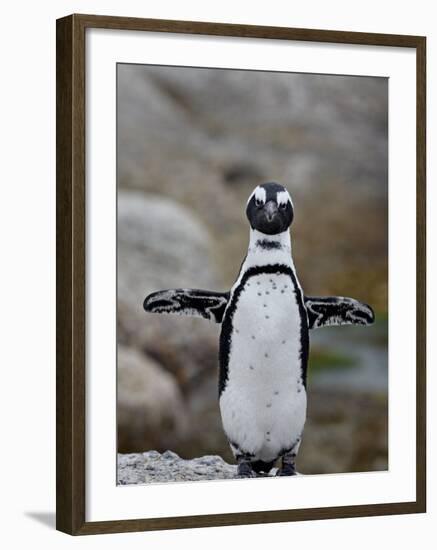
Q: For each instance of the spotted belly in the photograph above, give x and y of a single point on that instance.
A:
(263, 404)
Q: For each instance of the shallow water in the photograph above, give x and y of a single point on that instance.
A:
(365, 346)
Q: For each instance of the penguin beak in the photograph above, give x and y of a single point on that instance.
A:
(271, 210)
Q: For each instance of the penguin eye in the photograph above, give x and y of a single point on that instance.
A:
(258, 202)
(283, 205)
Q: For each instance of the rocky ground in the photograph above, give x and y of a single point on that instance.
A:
(154, 467)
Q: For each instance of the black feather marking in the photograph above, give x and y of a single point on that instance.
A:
(239, 453)
(268, 245)
(336, 311)
(184, 301)
(259, 466)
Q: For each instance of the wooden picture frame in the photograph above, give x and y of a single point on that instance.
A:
(71, 254)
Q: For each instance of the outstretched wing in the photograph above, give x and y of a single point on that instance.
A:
(187, 301)
(336, 310)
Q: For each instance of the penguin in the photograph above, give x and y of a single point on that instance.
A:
(264, 340)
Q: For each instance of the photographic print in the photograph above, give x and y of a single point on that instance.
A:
(252, 274)
(235, 265)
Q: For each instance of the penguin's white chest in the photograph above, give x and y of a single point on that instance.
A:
(263, 405)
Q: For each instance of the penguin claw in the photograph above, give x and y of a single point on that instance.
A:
(287, 470)
(245, 470)
(247, 476)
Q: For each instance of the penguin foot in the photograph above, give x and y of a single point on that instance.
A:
(245, 470)
(287, 470)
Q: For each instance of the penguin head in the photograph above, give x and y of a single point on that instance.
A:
(270, 209)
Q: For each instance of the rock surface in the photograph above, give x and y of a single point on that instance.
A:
(162, 245)
(153, 467)
(226, 127)
(159, 242)
(151, 410)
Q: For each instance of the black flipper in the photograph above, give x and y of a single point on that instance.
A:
(187, 301)
(336, 310)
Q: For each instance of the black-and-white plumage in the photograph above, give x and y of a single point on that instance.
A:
(186, 301)
(337, 310)
(264, 342)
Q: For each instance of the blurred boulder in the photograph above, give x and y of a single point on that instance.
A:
(161, 245)
(299, 127)
(159, 242)
(150, 408)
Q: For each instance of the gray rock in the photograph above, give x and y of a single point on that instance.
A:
(161, 245)
(210, 120)
(150, 408)
(153, 467)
